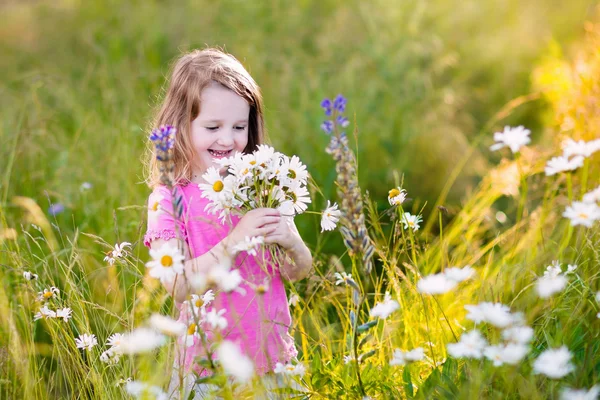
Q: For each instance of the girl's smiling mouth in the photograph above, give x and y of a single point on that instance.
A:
(219, 154)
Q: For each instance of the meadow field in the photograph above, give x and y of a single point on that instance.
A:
(461, 268)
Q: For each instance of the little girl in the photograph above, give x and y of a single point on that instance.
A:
(217, 109)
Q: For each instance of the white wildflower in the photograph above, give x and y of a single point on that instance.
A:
(86, 341)
(234, 362)
(383, 309)
(114, 341)
(167, 262)
(549, 285)
(117, 252)
(47, 294)
(514, 138)
(496, 314)
(45, 313)
(330, 217)
(290, 369)
(29, 275)
(563, 164)
(299, 196)
(436, 284)
(249, 245)
(580, 394)
(470, 345)
(110, 357)
(403, 357)
(215, 319)
(592, 196)
(167, 325)
(140, 340)
(510, 353)
(64, 313)
(411, 221)
(580, 147)
(554, 363)
(518, 334)
(294, 300)
(141, 390)
(581, 213)
(459, 274)
(396, 196)
(154, 207)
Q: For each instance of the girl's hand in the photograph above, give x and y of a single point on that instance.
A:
(285, 234)
(257, 222)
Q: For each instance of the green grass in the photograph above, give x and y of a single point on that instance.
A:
(427, 83)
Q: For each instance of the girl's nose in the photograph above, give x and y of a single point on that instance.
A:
(226, 139)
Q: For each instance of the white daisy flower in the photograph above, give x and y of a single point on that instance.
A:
(154, 207)
(563, 164)
(215, 319)
(218, 276)
(294, 300)
(581, 213)
(215, 184)
(110, 357)
(548, 285)
(580, 394)
(48, 294)
(64, 313)
(496, 314)
(45, 313)
(167, 325)
(330, 217)
(249, 245)
(192, 334)
(518, 334)
(29, 275)
(197, 303)
(436, 284)
(86, 341)
(514, 138)
(299, 196)
(580, 147)
(349, 359)
(234, 362)
(114, 341)
(404, 357)
(290, 369)
(140, 340)
(342, 278)
(592, 196)
(470, 345)
(142, 390)
(554, 363)
(411, 221)
(383, 309)
(459, 274)
(396, 196)
(167, 262)
(118, 252)
(506, 354)
(294, 169)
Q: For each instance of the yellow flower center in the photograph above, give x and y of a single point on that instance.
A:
(261, 289)
(583, 216)
(166, 261)
(47, 295)
(252, 162)
(191, 329)
(292, 174)
(393, 193)
(290, 368)
(411, 223)
(218, 186)
(244, 172)
(199, 303)
(155, 206)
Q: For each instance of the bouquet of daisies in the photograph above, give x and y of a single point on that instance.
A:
(265, 178)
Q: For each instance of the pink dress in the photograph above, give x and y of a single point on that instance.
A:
(258, 323)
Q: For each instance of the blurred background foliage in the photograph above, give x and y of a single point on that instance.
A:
(80, 80)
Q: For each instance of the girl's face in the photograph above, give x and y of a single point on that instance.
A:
(221, 128)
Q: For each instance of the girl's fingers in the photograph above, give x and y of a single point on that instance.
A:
(266, 230)
(269, 220)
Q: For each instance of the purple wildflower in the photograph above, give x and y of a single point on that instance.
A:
(342, 121)
(56, 209)
(327, 127)
(326, 104)
(164, 139)
(339, 103)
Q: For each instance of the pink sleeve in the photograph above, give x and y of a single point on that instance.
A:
(161, 221)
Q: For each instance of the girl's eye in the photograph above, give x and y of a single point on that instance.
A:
(240, 128)
(212, 128)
